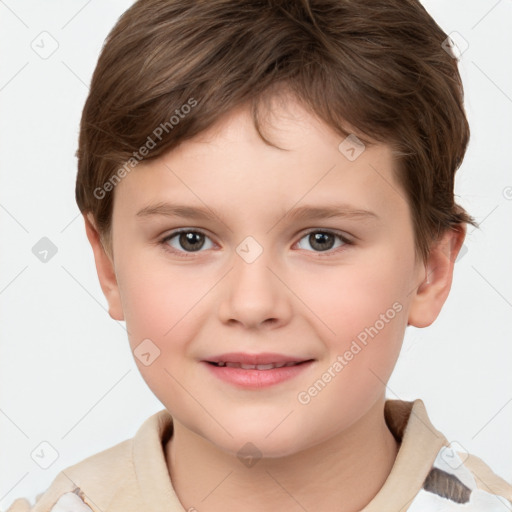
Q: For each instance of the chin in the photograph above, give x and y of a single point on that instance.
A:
(248, 450)
(258, 443)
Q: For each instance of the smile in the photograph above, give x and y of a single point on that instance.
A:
(256, 376)
(269, 366)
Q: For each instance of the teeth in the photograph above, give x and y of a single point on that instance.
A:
(247, 366)
(265, 366)
(269, 366)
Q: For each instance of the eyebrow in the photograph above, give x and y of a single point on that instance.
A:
(297, 214)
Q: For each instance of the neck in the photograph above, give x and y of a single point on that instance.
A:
(343, 473)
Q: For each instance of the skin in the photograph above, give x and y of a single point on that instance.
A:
(293, 299)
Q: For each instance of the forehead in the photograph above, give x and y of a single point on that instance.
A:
(230, 168)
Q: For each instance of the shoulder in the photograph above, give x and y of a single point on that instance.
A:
(432, 474)
(110, 481)
(460, 481)
(101, 475)
(487, 480)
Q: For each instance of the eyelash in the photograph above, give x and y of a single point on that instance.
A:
(184, 254)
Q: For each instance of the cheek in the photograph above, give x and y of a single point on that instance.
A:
(363, 316)
(366, 309)
(163, 305)
(159, 314)
(155, 298)
(351, 298)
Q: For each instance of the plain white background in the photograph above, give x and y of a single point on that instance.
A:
(67, 376)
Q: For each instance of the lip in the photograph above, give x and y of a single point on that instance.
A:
(262, 358)
(254, 378)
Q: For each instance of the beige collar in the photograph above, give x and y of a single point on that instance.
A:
(408, 421)
(420, 444)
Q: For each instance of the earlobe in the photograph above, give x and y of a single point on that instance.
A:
(105, 269)
(433, 291)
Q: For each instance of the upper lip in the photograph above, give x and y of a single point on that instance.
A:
(254, 359)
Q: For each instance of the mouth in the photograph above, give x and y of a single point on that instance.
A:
(256, 371)
(269, 366)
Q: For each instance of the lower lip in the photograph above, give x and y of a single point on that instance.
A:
(257, 378)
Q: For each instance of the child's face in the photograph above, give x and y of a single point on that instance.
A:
(292, 299)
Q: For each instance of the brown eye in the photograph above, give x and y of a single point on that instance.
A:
(321, 241)
(186, 241)
(191, 241)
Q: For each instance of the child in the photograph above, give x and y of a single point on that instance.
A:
(260, 131)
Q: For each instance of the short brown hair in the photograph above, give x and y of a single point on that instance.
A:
(378, 65)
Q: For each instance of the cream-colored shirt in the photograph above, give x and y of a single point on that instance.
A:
(428, 474)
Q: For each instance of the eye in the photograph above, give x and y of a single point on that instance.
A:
(185, 241)
(324, 240)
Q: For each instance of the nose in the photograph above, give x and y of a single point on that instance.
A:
(253, 295)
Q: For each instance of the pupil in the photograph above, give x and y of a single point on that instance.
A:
(187, 241)
(320, 239)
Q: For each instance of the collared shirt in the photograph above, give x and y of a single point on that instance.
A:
(428, 474)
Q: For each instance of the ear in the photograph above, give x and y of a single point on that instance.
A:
(432, 293)
(105, 270)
